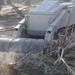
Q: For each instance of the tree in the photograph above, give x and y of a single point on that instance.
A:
(1, 2)
(27, 2)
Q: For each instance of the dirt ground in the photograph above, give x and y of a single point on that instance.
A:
(10, 15)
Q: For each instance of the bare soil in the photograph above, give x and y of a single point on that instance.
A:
(10, 15)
